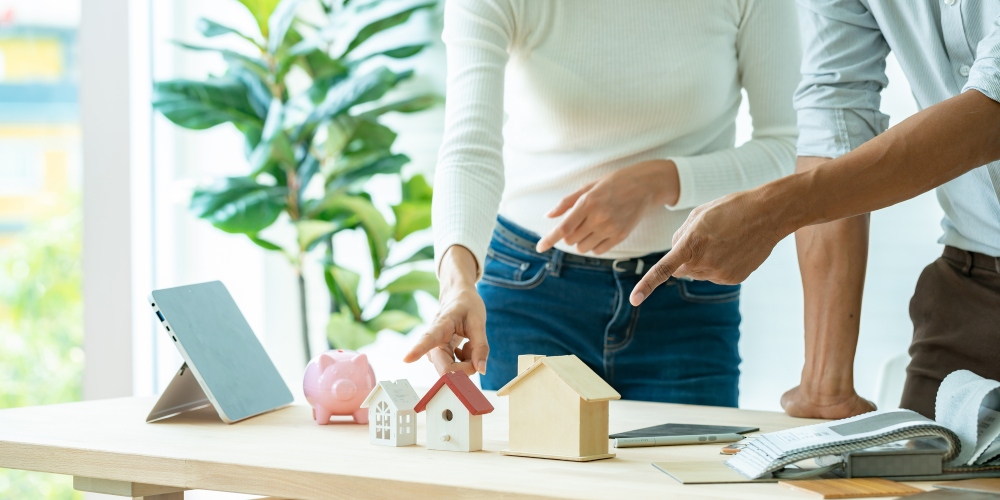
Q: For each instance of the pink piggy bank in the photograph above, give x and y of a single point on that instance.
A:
(336, 383)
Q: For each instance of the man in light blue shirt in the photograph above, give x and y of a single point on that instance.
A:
(949, 51)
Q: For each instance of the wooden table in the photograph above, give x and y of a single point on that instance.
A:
(108, 448)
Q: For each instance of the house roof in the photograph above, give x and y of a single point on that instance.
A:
(400, 394)
(572, 371)
(463, 388)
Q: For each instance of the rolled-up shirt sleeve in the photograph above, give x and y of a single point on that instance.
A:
(985, 73)
(843, 73)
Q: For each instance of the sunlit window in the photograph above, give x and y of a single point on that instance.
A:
(41, 313)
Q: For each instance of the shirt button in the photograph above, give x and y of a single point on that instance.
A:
(964, 70)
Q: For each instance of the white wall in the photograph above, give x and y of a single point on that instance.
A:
(903, 241)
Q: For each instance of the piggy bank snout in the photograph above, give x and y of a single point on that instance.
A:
(344, 390)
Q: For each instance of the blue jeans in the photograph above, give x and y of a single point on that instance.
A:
(679, 346)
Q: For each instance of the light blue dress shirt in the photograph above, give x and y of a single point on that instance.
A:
(944, 47)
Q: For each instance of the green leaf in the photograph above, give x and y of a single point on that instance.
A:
(307, 169)
(239, 204)
(338, 134)
(254, 64)
(279, 22)
(417, 189)
(390, 164)
(277, 151)
(324, 70)
(411, 105)
(372, 221)
(274, 143)
(350, 92)
(209, 29)
(311, 231)
(411, 216)
(383, 24)
(412, 282)
(343, 285)
(405, 51)
(369, 135)
(397, 321)
(266, 245)
(344, 332)
(200, 105)
(261, 11)
(402, 302)
(258, 92)
(426, 253)
(401, 52)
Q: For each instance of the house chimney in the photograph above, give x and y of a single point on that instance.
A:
(524, 361)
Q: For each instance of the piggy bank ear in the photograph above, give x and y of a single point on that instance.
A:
(325, 362)
(360, 360)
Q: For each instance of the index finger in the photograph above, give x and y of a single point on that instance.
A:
(572, 221)
(444, 362)
(659, 273)
(439, 334)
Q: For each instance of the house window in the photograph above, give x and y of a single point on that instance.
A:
(447, 415)
(383, 421)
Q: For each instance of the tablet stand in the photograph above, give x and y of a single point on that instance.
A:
(184, 393)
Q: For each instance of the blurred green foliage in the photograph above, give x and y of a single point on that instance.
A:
(41, 334)
(311, 108)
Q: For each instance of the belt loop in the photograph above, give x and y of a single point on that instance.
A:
(996, 264)
(967, 269)
(554, 265)
(614, 265)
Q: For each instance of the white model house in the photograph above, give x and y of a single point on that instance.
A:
(455, 415)
(391, 419)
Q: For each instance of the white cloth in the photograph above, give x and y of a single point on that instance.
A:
(592, 86)
(959, 399)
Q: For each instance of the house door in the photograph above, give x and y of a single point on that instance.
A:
(383, 421)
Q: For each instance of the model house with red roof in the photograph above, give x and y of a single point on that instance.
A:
(455, 409)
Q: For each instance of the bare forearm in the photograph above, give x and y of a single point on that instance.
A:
(832, 261)
(921, 153)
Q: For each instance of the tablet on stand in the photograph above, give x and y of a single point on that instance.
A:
(224, 364)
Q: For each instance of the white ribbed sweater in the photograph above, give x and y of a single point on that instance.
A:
(592, 86)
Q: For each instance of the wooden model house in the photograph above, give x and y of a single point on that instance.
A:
(558, 409)
(454, 416)
(391, 419)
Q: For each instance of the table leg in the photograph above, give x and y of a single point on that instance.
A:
(138, 491)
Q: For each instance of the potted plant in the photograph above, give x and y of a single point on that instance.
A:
(308, 99)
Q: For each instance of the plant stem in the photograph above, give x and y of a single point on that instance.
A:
(302, 310)
(334, 306)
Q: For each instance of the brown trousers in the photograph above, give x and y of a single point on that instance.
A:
(956, 325)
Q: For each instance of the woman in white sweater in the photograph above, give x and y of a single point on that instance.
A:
(592, 127)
